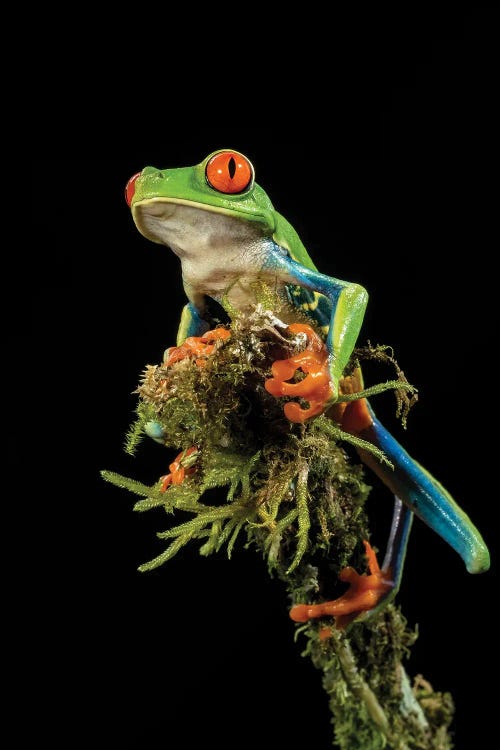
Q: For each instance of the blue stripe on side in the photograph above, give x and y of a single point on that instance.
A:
(428, 499)
(301, 298)
(278, 261)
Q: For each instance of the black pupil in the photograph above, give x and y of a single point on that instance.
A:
(231, 167)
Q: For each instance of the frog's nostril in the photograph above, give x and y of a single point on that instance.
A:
(130, 188)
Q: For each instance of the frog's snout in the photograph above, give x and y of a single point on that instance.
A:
(130, 188)
(151, 173)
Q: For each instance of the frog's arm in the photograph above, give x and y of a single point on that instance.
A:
(191, 324)
(348, 304)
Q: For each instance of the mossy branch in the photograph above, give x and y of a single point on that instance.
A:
(358, 685)
(304, 520)
(174, 548)
(292, 492)
(132, 485)
(336, 433)
(375, 390)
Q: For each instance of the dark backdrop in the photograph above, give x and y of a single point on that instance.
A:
(383, 164)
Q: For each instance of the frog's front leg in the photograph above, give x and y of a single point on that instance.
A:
(192, 324)
(348, 303)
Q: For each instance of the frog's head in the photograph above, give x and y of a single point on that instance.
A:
(171, 206)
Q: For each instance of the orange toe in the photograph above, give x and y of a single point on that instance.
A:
(180, 467)
(199, 347)
(315, 387)
(364, 593)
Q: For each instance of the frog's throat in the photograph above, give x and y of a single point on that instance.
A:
(158, 207)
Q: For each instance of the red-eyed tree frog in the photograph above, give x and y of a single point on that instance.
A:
(223, 227)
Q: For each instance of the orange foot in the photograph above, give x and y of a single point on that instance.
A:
(315, 387)
(180, 467)
(200, 347)
(364, 594)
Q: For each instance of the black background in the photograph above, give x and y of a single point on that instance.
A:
(382, 159)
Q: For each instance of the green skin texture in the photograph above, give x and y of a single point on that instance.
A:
(226, 243)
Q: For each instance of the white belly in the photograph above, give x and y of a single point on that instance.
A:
(231, 273)
(222, 256)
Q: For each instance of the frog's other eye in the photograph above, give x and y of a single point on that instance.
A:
(229, 172)
(130, 188)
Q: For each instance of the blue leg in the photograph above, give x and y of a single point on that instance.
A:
(347, 303)
(426, 497)
(395, 552)
(192, 324)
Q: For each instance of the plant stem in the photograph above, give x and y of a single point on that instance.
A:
(358, 685)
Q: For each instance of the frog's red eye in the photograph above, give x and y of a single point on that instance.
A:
(229, 172)
(130, 188)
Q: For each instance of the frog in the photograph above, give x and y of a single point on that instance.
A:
(228, 236)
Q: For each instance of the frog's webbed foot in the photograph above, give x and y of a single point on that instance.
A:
(181, 466)
(316, 387)
(365, 593)
(197, 347)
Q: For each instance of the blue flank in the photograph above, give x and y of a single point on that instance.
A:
(196, 325)
(309, 278)
(302, 298)
(323, 284)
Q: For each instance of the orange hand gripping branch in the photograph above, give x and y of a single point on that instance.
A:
(315, 387)
(200, 347)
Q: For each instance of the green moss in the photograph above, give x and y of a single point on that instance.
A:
(292, 492)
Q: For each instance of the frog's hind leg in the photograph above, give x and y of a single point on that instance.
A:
(357, 419)
(415, 491)
(418, 490)
(395, 553)
(370, 592)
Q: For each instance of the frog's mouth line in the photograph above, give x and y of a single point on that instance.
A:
(162, 201)
(150, 213)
